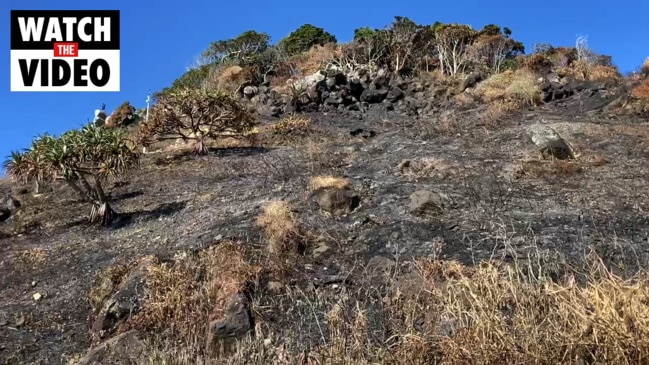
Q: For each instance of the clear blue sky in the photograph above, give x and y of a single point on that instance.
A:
(160, 39)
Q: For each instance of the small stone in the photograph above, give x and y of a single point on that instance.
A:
(268, 342)
(37, 296)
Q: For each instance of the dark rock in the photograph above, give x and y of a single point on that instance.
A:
(394, 94)
(373, 95)
(362, 133)
(340, 79)
(4, 214)
(236, 322)
(8, 206)
(125, 302)
(270, 111)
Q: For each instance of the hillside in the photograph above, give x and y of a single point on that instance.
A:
(372, 217)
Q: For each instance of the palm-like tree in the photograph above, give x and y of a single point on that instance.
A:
(83, 158)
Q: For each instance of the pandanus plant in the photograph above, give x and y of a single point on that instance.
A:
(84, 158)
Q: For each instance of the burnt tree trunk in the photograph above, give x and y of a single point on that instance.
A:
(200, 148)
(101, 211)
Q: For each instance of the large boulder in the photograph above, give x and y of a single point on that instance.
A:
(550, 143)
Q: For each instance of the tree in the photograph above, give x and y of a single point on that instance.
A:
(369, 49)
(452, 41)
(83, 158)
(305, 37)
(402, 34)
(243, 49)
(122, 116)
(494, 47)
(197, 115)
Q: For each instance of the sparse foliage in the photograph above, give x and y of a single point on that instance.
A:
(244, 49)
(83, 158)
(196, 115)
(494, 48)
(452, 42)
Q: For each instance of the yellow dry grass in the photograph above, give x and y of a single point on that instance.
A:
(501, 315)
(326, 181)
(316, 58)
(519, 86)
(33, 257)
(291, 125)
(582, 70)
(185, 295)
(281, 228)
(490, 313)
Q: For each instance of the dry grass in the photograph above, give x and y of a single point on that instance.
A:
(183, 296)
(498, 110)
(448, 313)
(323, 158)
(293, 124)
(282, 230)
(548, 169)
(518, 87)
(641, 92)
(425, 167)
(506, 92)
(316, 58)
(582, 70)
(228, 79)
(320, 182)
(497, 314)
(33, 257)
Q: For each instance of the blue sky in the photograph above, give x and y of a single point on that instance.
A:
(160, 39)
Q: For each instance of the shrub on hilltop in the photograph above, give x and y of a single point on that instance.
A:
(196, 115)
(305, 37)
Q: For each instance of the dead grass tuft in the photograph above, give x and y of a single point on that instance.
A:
(582, 70)
(641, 92)
(508, 91)
(320, 182)
(316, 58)
(291, 125)
(229, 79)
(182, 296)
(425, 167)
(33, 257)
(494, 313)
(284, 236)
(548, 169)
